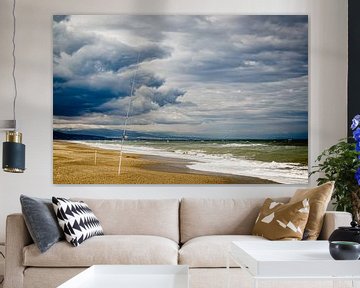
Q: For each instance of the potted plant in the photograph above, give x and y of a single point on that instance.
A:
(341, 163)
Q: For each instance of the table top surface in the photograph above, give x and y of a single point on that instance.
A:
(291, 259)
(131, 276)
(286, 250)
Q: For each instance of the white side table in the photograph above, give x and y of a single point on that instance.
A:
(287, 261)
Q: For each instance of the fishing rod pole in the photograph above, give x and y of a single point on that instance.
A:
(128, 114)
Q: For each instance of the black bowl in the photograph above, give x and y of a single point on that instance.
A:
(344, 250)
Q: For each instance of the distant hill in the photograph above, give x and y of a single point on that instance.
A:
(104, 134)
(57, 135)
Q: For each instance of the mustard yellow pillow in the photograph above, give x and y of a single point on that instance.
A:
(279, 221)
(319, 198)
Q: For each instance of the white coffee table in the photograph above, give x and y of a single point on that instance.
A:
(131, 276)
(292, 260)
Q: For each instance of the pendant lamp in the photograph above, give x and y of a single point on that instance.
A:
(13, 159)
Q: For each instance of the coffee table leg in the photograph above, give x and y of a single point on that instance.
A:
(339, 283)
(355, 283)
(255, 283)
(228, 269)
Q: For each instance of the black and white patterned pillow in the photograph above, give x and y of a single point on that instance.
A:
(77, 220)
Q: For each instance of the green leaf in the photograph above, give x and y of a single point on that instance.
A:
(339, 163)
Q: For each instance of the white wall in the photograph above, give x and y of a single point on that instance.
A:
(327, 99)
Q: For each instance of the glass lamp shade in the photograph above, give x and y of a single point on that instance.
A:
(13, 153)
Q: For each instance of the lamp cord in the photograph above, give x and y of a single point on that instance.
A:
(14, 60)
(2, 280)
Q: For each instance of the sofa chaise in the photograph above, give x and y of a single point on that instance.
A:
(194, 232)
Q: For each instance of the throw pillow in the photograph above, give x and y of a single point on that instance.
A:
(279, 221)
(41, 222)
(77, 220)
(319, 198)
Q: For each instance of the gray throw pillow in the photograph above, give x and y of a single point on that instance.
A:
(41, 221)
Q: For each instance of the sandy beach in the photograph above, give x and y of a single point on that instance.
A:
(75, 164)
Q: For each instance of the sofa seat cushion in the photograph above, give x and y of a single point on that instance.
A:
(107, 249)
(211, 251)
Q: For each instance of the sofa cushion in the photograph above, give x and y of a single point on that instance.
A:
(41, 221)
(107, 249)
(158, 217)
(76, 220)
(211, 251)
(279, 221)
(201, 217)
(319, 198)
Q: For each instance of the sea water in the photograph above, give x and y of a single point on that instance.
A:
(282, 161)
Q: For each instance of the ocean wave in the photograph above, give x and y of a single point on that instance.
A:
(286, 173)
(235, 145)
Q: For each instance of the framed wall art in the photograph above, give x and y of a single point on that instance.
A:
(180, 99)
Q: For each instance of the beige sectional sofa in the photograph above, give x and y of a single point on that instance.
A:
(194, 232)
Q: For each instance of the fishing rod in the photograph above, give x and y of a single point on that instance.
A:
(128, 114)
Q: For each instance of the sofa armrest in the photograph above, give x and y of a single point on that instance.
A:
(17, 237)
(333, 220)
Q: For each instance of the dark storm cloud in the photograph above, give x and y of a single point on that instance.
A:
(90, 69)
(78, 101)
(86, 95)
(106, 57)
(144, 100)
(68, 41)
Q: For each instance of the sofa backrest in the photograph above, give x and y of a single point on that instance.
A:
(200, 217)
(159, 217)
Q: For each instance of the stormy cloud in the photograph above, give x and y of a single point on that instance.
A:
(213, 76)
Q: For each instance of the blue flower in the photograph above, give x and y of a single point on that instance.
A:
(357, 176)
(355, 126)
(356, 134)
(355, 122)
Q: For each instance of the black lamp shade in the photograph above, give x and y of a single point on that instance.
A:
(13, 157)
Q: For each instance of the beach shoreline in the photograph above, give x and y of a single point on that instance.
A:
(75, 163)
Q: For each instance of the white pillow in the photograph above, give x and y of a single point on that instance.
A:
(76, 220)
